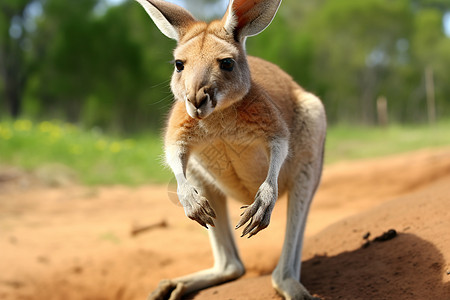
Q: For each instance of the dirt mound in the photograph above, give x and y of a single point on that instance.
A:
(72, 242)
(413, 265)
(340, 264)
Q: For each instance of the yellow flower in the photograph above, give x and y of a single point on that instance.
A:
(22, 125)
(45, 126)
(115, 147)
(5, 133)
(53, 130)
(55, 133)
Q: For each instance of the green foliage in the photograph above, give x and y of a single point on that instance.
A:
(101, 65)
(13, 62)
(108, 67)
(350, 52)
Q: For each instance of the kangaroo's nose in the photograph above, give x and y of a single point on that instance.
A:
(201, 101)
(200, 98)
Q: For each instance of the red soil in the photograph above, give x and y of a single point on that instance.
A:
(74, 242)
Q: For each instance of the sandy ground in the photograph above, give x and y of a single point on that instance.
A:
(75, 242)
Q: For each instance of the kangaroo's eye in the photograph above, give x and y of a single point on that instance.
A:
(179, 65)
(227, 64)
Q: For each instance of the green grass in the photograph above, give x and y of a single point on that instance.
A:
(346, 142)
(97, 158)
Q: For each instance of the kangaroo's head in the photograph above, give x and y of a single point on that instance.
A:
(211, 70)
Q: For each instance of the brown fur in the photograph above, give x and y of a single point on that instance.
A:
(247, 131)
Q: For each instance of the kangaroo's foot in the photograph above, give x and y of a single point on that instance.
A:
(290, 288)
(167, 289)
(174, 289)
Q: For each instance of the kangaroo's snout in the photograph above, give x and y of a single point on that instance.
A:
(199, 98)
(201, 103)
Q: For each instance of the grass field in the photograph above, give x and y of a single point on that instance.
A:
(355, 142)
(97, 158)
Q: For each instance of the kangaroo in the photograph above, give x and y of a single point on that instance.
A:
(242, 128)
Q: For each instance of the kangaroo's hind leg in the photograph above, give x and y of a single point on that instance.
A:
(227, 264)
(286, 276)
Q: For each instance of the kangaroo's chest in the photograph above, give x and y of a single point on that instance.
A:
(238, 168)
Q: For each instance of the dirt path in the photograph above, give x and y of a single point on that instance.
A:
(74, 242)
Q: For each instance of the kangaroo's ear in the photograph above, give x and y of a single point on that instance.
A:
(249, 17)
(171, 19)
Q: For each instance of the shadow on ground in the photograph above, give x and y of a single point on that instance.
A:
(406, 265)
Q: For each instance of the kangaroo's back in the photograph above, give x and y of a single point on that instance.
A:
(279, 85)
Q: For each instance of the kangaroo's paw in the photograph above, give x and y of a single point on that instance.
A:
(167, 290)
(259, 212)
(196, 207)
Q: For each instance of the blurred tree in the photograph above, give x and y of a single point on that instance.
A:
(93, 67)
(12, 57)
(101, 65)
(431, 49)
(350, 52)
(64, 56)
(357, 46)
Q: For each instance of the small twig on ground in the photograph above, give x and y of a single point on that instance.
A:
(138, 229)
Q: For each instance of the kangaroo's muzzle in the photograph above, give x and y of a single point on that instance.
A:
(200, 104)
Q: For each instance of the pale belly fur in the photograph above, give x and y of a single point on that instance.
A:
(237, 170)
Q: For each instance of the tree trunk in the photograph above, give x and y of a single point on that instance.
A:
(431, 101)
(13, 93)
(12, 66)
